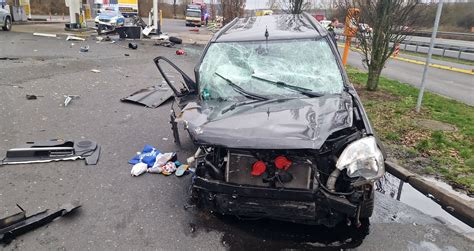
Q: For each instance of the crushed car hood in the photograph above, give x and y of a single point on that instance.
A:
(290, 124)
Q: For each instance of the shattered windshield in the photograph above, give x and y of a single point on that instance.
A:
(261, 67)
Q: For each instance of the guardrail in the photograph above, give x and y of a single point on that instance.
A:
(444, 34)
(440, 49)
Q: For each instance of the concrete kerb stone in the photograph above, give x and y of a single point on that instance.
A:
(458, 207)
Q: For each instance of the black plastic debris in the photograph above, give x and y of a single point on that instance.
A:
(8, 58)
(151, 97)
(175, 40)
(31, 97)
(132, 46)
(129, 32)
(18, 224)
(53, 150)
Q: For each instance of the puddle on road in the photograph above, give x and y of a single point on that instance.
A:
(405, 193)
(278, 235)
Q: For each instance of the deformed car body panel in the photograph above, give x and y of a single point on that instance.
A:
(293, 124)
(151, 97)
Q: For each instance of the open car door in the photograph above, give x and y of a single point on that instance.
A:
(184, 89)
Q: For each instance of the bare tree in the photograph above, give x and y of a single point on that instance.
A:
(174, 8)
(294, 6)
(272, 4)
(232, 9)
(389, 21)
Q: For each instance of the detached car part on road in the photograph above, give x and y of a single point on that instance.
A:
(19, 223)
(53, 150)
(281, 133)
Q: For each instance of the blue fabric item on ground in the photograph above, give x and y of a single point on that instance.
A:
(147, 156)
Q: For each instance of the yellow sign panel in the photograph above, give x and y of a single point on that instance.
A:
(351, 22)
(134, 2)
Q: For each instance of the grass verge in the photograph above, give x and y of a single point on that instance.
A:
(448, 155)
(438, 57)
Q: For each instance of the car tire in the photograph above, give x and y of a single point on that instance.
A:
(175, 40)
(8, 24)
(367, 207)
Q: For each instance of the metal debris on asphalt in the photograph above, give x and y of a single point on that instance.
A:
(69, 98)
(85, 48)
(18, 224)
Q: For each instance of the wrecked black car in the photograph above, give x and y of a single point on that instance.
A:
(281, 133)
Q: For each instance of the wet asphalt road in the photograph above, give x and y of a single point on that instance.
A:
(147, 212)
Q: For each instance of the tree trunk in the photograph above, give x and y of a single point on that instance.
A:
(373, 78)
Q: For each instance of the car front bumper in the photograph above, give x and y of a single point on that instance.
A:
(294, 205)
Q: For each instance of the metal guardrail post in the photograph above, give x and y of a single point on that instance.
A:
(416, 49)
(459, 54)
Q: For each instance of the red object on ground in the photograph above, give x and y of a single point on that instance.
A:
(258, 168)
(281, 162)
(195, 30)
(180, 52)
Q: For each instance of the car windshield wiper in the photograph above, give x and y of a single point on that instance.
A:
(302, 90)
(255, 103)
(241, 91)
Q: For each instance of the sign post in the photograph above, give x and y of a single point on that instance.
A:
(350, 30)
(430, 52)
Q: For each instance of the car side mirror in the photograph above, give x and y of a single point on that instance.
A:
(181, 84)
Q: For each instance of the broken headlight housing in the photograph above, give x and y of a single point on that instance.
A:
(362, 158)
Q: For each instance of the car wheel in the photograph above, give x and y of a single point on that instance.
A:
(367, 207)
(8, 24)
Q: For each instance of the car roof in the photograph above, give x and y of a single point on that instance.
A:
(286, 26)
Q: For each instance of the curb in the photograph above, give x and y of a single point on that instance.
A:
(38, 22)
(438, 66)
(456, 206)
(443, 67)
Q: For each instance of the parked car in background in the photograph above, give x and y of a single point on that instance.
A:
(108, 20)
(281, 132)
(5, 18)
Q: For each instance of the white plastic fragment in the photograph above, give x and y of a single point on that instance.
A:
(95, 71)
(44, 34)
(139, 169)
(75, 38)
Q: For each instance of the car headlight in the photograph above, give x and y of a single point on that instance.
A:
(362, 158)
